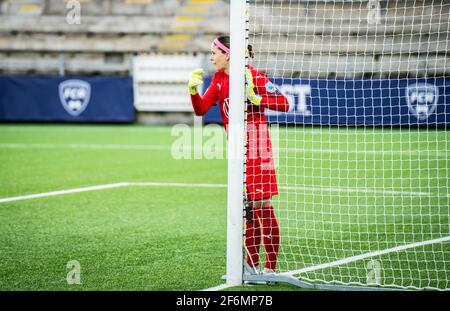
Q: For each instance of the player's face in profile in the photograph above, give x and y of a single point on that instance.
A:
(219, 59)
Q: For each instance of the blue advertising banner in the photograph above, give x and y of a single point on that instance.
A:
(384, 102)
(66, 99)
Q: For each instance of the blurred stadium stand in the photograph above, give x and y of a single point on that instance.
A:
(160, 81)
(36, 37)
(318, 39)
(335, 38)
(410, 40)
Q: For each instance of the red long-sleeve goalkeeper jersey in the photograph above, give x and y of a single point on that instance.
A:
(260, 170)
(218, 92)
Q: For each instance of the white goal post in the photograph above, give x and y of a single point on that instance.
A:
(236, 150)
(363, 154)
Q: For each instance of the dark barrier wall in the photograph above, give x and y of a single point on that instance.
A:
(388, 102)
(67, 99)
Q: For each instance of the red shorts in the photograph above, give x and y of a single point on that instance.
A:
(261, 176)
(261, 179)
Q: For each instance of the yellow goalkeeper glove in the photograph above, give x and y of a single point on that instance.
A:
(254, 98)
(195, 79)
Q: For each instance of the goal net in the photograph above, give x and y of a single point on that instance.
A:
(362, 156)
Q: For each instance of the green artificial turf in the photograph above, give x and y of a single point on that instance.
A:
(343, 192)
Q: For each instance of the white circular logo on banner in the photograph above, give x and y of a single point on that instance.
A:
(74, 96)
(422, 99)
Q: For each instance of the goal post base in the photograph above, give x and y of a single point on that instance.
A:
(284, 278)
(266, 279)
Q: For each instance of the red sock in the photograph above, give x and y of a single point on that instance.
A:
(271, 234)
(253, 239)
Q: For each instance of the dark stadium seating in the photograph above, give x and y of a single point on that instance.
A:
(38, 36)
(318, 38)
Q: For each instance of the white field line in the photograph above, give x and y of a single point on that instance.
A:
(358, 190)
(223, 286)
(367, 255)
(84, 129)
(187, 185)
(62, 192)
(87, 146)
(107, 186)
(422, 153)
(168, 184)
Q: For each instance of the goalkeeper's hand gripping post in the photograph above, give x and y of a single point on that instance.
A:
(254, 98)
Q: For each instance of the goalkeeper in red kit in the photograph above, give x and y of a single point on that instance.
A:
(260, 170)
